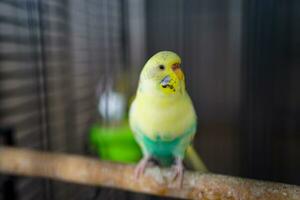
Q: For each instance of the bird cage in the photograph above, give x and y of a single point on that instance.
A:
(69, 70)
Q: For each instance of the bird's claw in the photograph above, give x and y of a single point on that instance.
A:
(140, 168)
(179, 169)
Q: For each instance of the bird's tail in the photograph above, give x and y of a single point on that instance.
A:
(195, 160)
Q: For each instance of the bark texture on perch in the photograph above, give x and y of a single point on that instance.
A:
(157, 181)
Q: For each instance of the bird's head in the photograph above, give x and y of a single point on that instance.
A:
(162, 74)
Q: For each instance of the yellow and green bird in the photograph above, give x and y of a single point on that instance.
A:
(162, 115)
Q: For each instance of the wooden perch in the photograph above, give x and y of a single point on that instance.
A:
(90, 171)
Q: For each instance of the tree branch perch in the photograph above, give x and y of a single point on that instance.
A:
(90, 171)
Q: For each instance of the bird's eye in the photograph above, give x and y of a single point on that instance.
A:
(161, 67)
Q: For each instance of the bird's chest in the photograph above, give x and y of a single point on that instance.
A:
(165, 122)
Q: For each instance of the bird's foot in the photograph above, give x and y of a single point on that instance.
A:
(140, 168)
(179, 169)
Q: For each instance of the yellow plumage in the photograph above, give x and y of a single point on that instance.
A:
(162, 115)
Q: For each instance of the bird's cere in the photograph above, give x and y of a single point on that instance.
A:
(178, 71)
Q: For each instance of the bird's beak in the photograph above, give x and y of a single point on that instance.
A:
(178, 71)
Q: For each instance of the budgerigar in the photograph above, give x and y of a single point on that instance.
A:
(162, 115)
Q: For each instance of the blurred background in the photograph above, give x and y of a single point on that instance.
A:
(68, 69)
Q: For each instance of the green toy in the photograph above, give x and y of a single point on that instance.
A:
(114, 143)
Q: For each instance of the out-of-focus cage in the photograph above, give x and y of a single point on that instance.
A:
(52, 56)
(57, 57)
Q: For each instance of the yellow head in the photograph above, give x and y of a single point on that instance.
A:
(162, 75)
